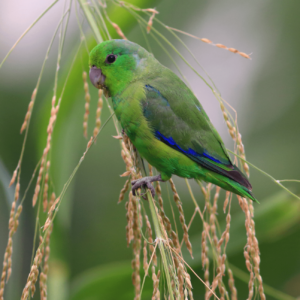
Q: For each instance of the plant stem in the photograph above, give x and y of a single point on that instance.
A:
(91, 20)
(160, 237)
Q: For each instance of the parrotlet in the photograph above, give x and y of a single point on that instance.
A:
(162, 118)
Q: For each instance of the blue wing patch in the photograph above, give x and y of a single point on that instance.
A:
(170, 141)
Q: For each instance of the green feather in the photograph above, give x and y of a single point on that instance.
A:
(163, 118)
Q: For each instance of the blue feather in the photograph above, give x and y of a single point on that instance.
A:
(170, 141)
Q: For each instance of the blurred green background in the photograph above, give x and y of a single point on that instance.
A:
(89, 257)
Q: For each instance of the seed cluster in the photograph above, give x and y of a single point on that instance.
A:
(181, 217)
(218, 245)
(29, 111)
(167, 224)
(87, 98)
(46, 187)
(98, 114)
(237, 137)
(44, 164)
(204, 255)
(150, 22)
(251, 252)
(13, 224)
(118, 30)
(155, 279)
(46, 253)
(135, 263)
(180, 283)
(233, 50)
(33, 276)
(150, 241)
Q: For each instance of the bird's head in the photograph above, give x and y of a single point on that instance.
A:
(115, 63)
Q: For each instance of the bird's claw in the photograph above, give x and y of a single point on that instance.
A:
(142, 183)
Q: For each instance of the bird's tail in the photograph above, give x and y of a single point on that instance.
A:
(231, 185)
(242, 191)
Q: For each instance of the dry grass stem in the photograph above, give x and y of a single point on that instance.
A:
(236, 136)
(204, 254)
(13, 224)
(33, 276)
(217, 278)
(181, 217)
(128, 159)
(228, 195)
(45, 193)
(185, 263)
(29, 111)
(136, 279)
(150, 170)
(241, 150)
(129, 216)
(98, 114)
(150, 240)
(180, 274)
(45, 269)
(145, 257)
(54, 111)
(150, 22)
(251, 252)
(118, 30)
(13, 179)
(231, 284)
(46, 248)
(87, 98)
(49, 219)
(166, 221)
(207, 41)
(155, 279)
(124, 190)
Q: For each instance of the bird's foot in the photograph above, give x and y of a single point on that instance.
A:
(144, 183)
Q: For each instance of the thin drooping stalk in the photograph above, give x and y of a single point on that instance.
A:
(266, 174)
(91, 20)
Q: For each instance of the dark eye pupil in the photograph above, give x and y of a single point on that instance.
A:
(111, 58)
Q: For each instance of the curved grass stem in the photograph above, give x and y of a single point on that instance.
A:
(89, 16)
(266, 174)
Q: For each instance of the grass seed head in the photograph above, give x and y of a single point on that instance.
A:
(87, 98)
(119, 31)
(14, 176)
(181, 218)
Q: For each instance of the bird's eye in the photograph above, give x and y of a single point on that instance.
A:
(111, 58)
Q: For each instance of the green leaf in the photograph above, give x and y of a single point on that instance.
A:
(108, 282)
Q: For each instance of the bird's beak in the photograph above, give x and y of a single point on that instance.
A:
(96, 77)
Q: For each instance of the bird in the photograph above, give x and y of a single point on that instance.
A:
(162, 118)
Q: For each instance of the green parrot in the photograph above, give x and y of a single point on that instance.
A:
(162, 118)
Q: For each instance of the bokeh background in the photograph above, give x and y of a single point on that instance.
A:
(89, 257)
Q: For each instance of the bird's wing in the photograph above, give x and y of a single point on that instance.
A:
(178, 120)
